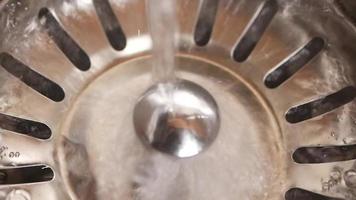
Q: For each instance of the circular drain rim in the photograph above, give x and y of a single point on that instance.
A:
(69, 125)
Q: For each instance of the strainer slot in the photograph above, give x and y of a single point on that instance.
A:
(320, 106)
(255, 30)
(110, 24)
(63, 40)
(24, 126)
(205, 23)
(324, 154)
(26, 174)
(31, 78)
(295, 62)
(301, 194)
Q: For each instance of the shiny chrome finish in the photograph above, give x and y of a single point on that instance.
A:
(103, 152)
(94, 150)
(179, 118)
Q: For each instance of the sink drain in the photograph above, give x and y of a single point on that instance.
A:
(282, 77)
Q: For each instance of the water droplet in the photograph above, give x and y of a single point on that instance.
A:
(18, 195)
(335, 178)
(42, 20)
(335, 175)
(325, 186)
(350, 178)
(334, 135)
(349, 140)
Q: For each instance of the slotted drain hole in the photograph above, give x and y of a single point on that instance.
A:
(110, 24)
(320, 106)
(25, 127)
(205, 23)
(63, 40)
(31, 78)
(255, 30)
(324, 154)
(291, 65)
(301, 194)
(26, 174)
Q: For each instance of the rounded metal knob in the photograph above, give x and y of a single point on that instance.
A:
(179, 118)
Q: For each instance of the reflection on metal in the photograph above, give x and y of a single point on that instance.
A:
(106, 145)
(179, 118)
(94, 147)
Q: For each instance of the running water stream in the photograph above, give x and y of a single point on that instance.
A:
(174, 116)
(163, 29)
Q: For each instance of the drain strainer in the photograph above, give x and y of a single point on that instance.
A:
(281, 73)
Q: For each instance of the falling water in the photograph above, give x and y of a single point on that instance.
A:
(163, 28)
(178, 121)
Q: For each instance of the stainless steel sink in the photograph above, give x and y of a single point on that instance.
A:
(281, 72)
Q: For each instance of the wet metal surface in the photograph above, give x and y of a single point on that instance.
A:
(94, 150)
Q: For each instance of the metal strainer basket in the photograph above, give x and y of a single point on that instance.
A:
(281, 72)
